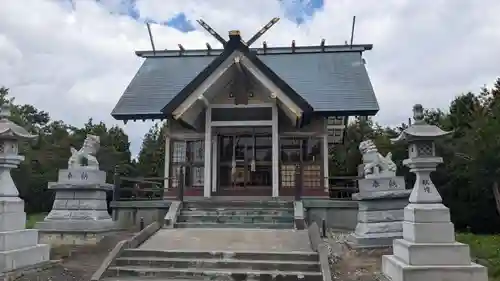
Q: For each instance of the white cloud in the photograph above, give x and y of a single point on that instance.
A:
(76, 63)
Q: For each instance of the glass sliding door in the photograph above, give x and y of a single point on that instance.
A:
(189, 154)
(245, 162)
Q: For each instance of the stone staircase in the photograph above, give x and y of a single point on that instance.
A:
(236, 214)
(137, 264)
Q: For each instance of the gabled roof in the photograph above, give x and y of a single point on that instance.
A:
(232, 45)
(331, 79)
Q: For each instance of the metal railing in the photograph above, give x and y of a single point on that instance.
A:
(152, 188)
(145, 188)
(342, 187)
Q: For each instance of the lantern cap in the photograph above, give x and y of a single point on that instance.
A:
(9, 129)
(420, 129)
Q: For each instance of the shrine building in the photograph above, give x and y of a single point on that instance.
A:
(248, 121)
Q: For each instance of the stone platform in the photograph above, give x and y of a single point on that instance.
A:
(242, 240)
(380, 212)
(19, 247)
(79, 214)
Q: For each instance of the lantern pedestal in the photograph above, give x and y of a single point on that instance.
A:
(380, 212)
(18, 246)
(428, 250)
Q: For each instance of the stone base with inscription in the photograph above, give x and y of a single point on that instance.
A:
(428, 250)
(380, 213)
(79, 214)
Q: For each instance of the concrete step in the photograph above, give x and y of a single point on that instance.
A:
(234, 225)
(235, 219)
(213, 274)
(237, 204)
(213, 263)
(237, 212)
(263, 256)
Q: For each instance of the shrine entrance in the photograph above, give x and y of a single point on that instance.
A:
(244, 157)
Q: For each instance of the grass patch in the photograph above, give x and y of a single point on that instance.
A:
(486, 250)
(34, 218)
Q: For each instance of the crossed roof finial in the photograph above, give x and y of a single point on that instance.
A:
(252, 40)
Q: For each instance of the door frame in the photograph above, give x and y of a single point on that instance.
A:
(211, 184)
(252, 190)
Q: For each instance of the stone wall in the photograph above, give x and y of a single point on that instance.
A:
(128, 214)
(338, 214)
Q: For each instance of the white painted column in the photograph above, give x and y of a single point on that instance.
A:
(275, 151)
(166, 181)
(215, 154)
(326, 170)
(208, 153)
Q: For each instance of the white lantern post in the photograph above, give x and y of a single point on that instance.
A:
(428, 250)
(22, 248)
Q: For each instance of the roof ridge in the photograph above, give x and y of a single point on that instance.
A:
(259, 51)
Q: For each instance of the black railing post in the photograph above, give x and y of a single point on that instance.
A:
(141, 224)
(298, 182)
(116, 183)
(180, 184)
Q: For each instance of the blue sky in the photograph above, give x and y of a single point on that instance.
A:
(298, 11)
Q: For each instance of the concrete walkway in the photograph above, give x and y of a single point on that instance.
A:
(242, 240)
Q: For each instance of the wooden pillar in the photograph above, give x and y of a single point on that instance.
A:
(326, 169)
(166, 181)
(208, 153)
(215, 154)
(166, 172)
(275, 151)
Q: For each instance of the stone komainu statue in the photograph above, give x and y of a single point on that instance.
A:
(375, 165)
(85, 157)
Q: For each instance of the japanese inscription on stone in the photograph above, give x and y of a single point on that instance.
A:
(84, 176)
(426, 184)
(70, 175)
(376, 184)
(393, 184)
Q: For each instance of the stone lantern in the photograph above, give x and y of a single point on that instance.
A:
(422, 159)
(10, 136)
(20, 247)
(428, 250)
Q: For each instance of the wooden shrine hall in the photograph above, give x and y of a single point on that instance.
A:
(248, 121)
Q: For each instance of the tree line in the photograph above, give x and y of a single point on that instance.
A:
(466, 179)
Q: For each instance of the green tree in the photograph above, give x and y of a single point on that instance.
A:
(51, 150)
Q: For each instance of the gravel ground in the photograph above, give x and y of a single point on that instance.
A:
(353, 265)
(77, 264)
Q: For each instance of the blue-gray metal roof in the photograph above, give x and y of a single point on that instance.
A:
(157, 82)
(332, 82)
(327, 81)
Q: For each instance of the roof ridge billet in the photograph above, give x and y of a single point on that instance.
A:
(259, 51)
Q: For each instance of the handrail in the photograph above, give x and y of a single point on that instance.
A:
(144, 180)
(135, 190)
(345, 190)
